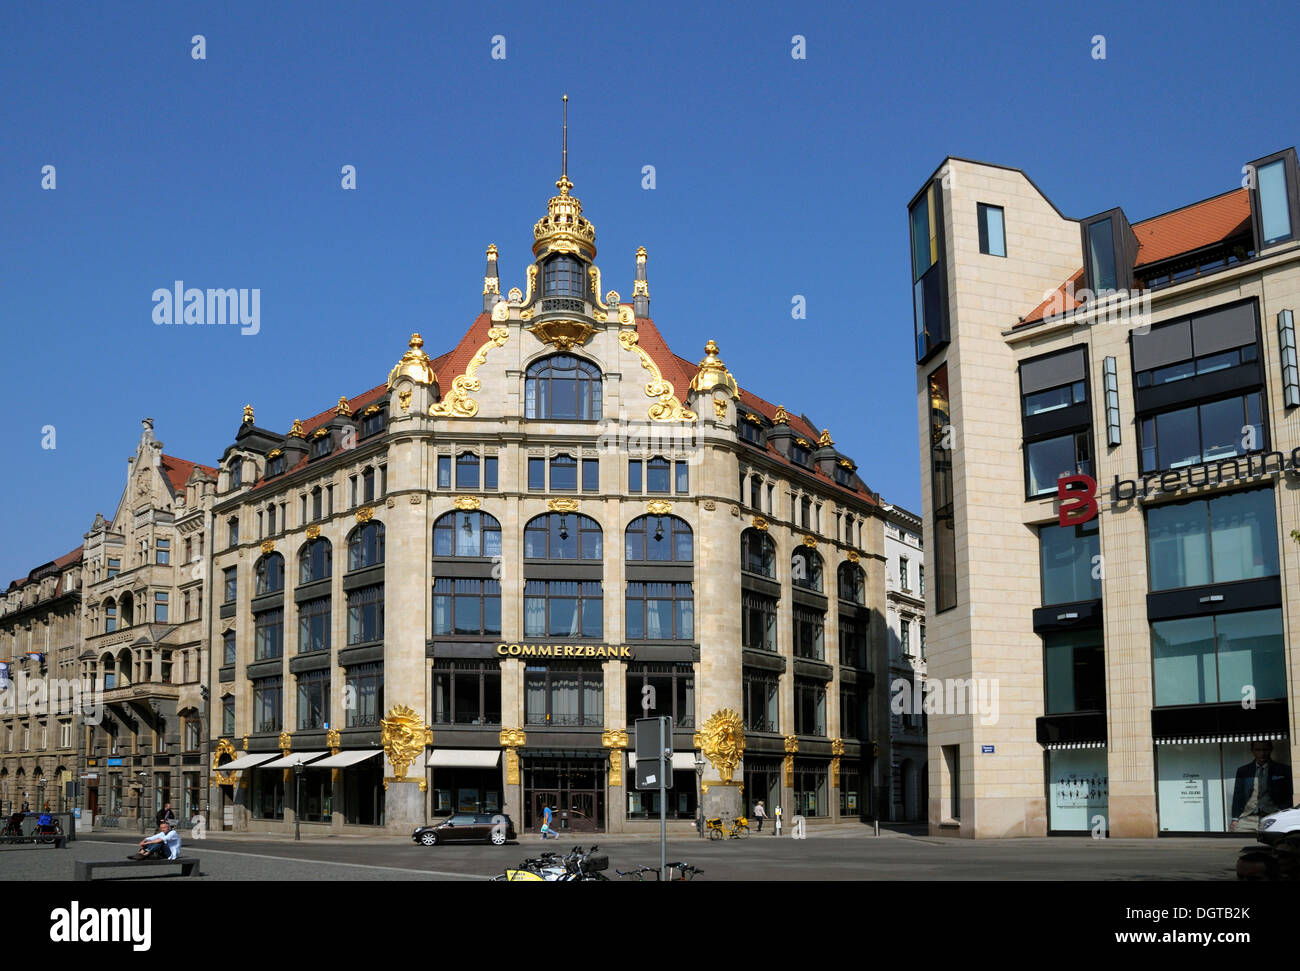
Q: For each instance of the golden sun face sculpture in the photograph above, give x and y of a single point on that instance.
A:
(404, 737)
(722, 740)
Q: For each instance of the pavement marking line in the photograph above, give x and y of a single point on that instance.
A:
(294, 859)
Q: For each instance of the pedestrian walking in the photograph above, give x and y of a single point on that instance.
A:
(547, 832)
(165, 815)
(760, 814)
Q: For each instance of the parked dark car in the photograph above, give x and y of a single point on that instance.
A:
(495, 828)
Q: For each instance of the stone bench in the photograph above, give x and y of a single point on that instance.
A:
(85, 869)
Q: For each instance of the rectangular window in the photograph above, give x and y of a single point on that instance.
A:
(564, 695)
(164, 551)
(905, 637)
(1274, 204)
(1050, 458)
(929, 281)
(682, 471)
(233, 531)
(268, 634)
(1229, 537)
(1202, 433)
(761, 700)
(160, 608)
(1101, 257)
(314, 625)
(661, 689)
(1204, 660)
(1074, 672)
(634, 475)
(660, 611)
(466, 693)
(853, 641)
(992, 234)
(114, 567)
(266, 704)
(366, 684)
(444, 476)
(1077, 789)
(467, 471)
(490, 472)
(228, 715)
(563, 608)
(313, 699)
(904, 581)
(466, 606)
(952, 773)
(228, 648)
(758, 621)
(1069, 558)
(945, 542)
(590, 475)
(809, 707)
(808, 633)
(366, 614)
(537, 473)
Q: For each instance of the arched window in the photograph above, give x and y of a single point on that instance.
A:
(563, 276)
(658, 475)
(315, 561)
(660, 538)
(125, 669)
(108, 664)
(806, 569)
(562, 386)
(564, 473)
(757, 553)
(562, 536)
(852, 583)
(269, 572)
(110, 616)
(467, 534)
(366, 546)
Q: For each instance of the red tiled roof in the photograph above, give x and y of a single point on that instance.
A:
(67, 559)
(1161, 237)
(178, 471)
(1192, 227)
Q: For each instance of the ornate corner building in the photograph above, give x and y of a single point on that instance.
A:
(456, 591)
(1107, 547)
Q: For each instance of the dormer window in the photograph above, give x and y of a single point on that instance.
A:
(1101, 256)
(1274, 198)
(563, 276)
(750, 430)
(843, 476)
(372, 422)
(275, 467)
(1109, 251)
(800, 454)
(236, 474)
(322, 446)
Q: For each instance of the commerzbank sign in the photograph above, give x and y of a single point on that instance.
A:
(563, 650)
(1078, 493)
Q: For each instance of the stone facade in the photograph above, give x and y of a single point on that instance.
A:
(905, 759)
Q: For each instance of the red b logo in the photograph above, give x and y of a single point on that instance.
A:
(1078, 505)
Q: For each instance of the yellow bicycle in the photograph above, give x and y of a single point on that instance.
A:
(717, 829)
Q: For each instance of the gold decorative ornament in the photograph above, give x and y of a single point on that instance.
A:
(640, 254)
(563, 334)
(593, 286)
(512, 737)
(709, 505)
(640, 288)
(659, 507)
(343, 408)
(562, 505)
(275, 453)
(626, 315)
(492, 251)
(720, 408)
(458, 403)
(313, 532)
(835, 773)
(320, 433)
(491, 284)
(846, 464)
(512, 767)
(615, 766)
(527, 314)
(245, 743)
(296, 431)
(365, 514)
(723, 738)
(667, 408)
(501, 311)
(752, 418)
(613, 299)
(712, 374)
(760, 523)
(248, 414)
(404, 737)
(791, 744)
(404, 399)
(372, 410)
(825, 439)
(803, 442)
(466, 502)
(782, 417)
(810, 542)
(334, 741)
(789, 771)
(853, 556)
(414, 364)
(530, 285)
(696, 741)
(286, 744)
(837, 746)
(564, 229)
(613, 738)
(515, 295)
(224, 747)
(268, 546)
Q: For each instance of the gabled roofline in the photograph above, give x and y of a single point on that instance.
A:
(991, 165)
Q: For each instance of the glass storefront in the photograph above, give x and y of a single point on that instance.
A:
(763, 781)
(681, 798)
(574, 789)
(268, 794)
(466, 791)
(1202, 660)
(811, 788)
(1078, 788)
(363, 793)
(316, 794)
(1221, 787)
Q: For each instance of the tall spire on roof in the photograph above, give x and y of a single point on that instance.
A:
(563, 229)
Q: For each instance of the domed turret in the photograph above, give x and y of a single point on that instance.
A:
(415, 364)
(713, 374)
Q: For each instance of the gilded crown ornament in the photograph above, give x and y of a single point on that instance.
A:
(713, 374)
(825, 440)
(782, 417)
(297, 431)
(343, 408)
(414, 364)
(248, 414)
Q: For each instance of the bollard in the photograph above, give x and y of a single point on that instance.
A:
(877, 822)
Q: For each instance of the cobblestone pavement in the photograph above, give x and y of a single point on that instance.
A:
(845, 854)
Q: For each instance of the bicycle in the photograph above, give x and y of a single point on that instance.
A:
(48, 829)
(684, 872)
(717, 830)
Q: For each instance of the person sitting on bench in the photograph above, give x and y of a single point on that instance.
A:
(163, 845)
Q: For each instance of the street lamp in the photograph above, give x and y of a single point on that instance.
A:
(297, 800)
(40, 795)
(139, 794)
(699, 795)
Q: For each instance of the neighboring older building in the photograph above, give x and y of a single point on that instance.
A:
(1110, 427)
(40, 634)
(905, 759)
(457, 591)
(144, 640)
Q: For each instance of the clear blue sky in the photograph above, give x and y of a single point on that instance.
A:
(775, 177)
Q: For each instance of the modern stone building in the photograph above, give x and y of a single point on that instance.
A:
(905, 757)
(456, 591)
(40, 635)
(144, 641)
(1140, 650)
